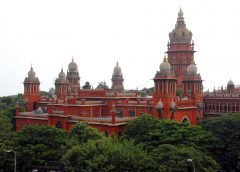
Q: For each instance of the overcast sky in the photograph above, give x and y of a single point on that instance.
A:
(97, 33)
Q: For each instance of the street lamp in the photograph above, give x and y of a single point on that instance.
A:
(15, 159)
(193, 164)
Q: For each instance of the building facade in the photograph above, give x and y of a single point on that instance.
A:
(178, 94)
(222, 100)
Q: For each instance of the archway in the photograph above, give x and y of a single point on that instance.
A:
(186, 120)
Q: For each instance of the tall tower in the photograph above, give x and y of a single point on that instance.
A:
(73, 77)
(31, 94)
(61, 85)
(164, 89)
(180, 48)
(117, 79)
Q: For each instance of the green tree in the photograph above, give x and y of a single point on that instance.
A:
(179, 92)
(38, 145)
(102, 85)
(152, 133)
(87, 85)
(227, 129)
(6, 143)
(81, 133)
(176, 158)
(108, 154)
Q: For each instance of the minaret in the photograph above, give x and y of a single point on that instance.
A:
(73, 77)
(164, 89)
(31, 94)
(117, 79)
(61, 85)
(180, 48)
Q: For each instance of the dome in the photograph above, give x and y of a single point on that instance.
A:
(180, 33)
(62, 75)
(230, 82)
(172, 104)
(117, 70)
(159, 105)
(31, 73)
(72, 67)
(192, 69)
(165, 66)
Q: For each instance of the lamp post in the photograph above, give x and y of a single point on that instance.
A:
(193, 164)
(15, 159)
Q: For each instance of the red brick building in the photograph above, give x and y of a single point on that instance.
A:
(178, 93)
(222, 100)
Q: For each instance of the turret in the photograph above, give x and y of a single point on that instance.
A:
(31, 94)
(61, 85)
(117, 79)
(230, 87)
(73, 77)
(164, 90)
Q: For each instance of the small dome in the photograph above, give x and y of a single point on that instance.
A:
(117, 70)
(172, 104)
(165, 66)
(62, 75)
(72, 67)
(230, 82)
(192, 69)
(159, 105)
(31, 73)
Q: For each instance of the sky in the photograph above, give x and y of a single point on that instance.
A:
(98, 33)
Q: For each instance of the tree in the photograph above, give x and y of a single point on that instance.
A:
(176, 158)
(152, 133)
(38, 145)
(227, 130)
(140, 128)
(6, 143)
(179, 92)
(102, 85)
(87, 85)
(108, 154)
(81, 132)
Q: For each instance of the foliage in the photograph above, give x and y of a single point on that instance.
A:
(6, 143)
(176, 158)
(108, 154)
(102, 85)
(38, 145)
(5, 125)
(147, 91)
(227, 130)
(87, 85)
(81, 132)
(152, 133)
(179, 92)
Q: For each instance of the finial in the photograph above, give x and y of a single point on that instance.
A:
(180, 13)
(62, 69)
(117, 62)
(164, 59)
(72, 58)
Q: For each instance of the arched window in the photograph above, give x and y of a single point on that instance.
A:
(186, 120)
